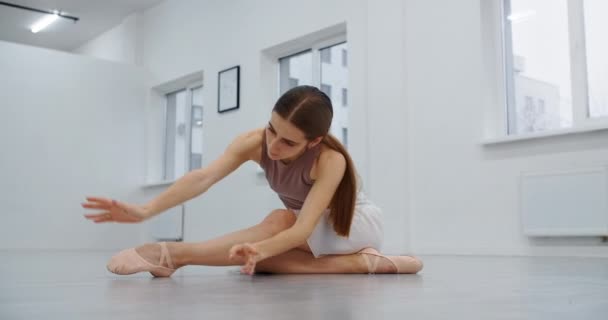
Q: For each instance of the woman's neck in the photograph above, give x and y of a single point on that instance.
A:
(288, 161)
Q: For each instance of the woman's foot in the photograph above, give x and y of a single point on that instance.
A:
(152, 252)
(374, 262)
(153, 257)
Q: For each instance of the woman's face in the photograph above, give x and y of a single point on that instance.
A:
(284, 141)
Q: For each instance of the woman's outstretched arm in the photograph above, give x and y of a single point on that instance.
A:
(192, 184)
(199, 181)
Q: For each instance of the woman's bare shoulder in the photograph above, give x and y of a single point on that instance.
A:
(329, 153)
(250, 142)
(250, 137)
(328, 158)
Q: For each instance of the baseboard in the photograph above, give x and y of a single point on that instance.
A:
(594, 252)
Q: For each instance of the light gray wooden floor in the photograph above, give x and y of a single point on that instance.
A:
(75, 285)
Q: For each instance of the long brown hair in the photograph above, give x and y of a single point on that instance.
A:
(311, 111)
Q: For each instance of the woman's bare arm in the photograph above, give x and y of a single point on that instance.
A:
(332, 166)
(199, 181)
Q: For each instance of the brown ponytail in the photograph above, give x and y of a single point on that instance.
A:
(342, 206)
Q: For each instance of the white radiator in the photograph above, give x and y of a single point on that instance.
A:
(565, 203)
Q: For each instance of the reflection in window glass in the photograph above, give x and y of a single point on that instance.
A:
(196, 129)
(334, 82)
(327, 89)
(540, 68)
(596, 25)
(175, 135)
(345, 137)
(295, 70)
(326, 56)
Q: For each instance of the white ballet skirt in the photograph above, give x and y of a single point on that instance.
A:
(366, 231)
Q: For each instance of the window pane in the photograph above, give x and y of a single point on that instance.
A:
(334, 82)
(326, 56)
(326, 88)
(295, 70)
(596, 25)
(196, 131)
(540, 90)
(175, 148)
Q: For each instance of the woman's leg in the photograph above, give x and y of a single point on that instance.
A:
(214, 252)
(301, 261)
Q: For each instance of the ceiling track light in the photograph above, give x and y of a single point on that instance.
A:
(56, 14)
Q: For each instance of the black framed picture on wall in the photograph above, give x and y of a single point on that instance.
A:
(228, 87)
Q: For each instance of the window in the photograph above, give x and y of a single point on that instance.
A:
(326, 88)
(596, 24)
(196, 132)
(293, 82)
(334, 79)
(326, 56)
(295, 70)
(552, 82)
(316, 67)
(183, 132)
(538, 66)
(344, 58)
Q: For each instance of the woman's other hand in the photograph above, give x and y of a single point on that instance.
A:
(114, 211)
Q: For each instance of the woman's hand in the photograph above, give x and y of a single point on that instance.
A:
(114, 211)
(248, 254)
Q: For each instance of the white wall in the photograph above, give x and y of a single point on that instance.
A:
(70, 126)
(418, 101)
(120, 44)
(464, 195)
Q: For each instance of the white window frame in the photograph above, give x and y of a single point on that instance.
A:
(315, 50)
(497, 65)
(188, 129)
(194, 86)
(316, 56)
(269, 68)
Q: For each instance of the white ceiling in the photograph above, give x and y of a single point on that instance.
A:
(95, 17)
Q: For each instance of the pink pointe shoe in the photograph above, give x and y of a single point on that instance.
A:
(129, 262)
(401, 264)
